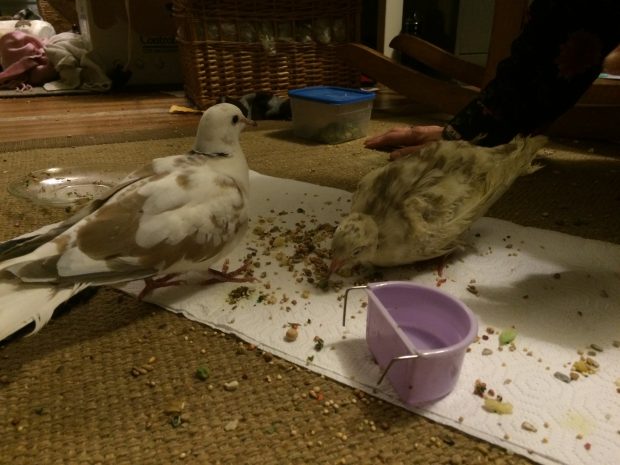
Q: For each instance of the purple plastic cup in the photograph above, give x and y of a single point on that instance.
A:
(418, 336)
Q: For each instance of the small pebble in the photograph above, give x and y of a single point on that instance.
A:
(562, 377)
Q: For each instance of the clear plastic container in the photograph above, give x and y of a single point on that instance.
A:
(330, 115)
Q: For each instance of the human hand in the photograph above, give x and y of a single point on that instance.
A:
(407, 139)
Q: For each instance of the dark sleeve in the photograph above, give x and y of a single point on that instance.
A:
(554, 60)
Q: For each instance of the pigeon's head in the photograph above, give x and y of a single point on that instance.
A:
(355, 241)
(219, 128)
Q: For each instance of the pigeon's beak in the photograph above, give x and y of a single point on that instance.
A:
(249, 122)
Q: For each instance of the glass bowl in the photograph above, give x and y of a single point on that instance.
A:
(66, 186)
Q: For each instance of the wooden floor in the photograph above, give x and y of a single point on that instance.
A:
(92, 115)
(129, 113)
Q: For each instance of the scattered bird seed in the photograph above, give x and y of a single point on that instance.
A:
(202, 373)
(507, 336)
(446, 439)
(486, 351)
(231, 385)
(473, 289)
(596, 347)
(497, 406)
(528, 427)
(479, 388)
(174, 408)
(291, 333)
(231, 425)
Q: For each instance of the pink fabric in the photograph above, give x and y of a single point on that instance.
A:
(24, 60)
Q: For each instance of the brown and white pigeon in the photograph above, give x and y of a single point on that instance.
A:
(417, 207)
(176, 214)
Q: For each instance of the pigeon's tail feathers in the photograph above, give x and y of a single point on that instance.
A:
(517, 162)
(531, 147)
(524, 151)
(26, 243)
(28, 307)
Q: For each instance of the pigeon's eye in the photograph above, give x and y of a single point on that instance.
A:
(235, 119)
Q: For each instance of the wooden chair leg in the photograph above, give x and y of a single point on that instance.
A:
(438, 59)
(447, 97)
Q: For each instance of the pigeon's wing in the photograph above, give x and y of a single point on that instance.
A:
(384, 190)
(411, 198)
(28, 242)
(175, 220)
(473, 179)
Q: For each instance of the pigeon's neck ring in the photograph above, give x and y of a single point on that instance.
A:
(213, 154)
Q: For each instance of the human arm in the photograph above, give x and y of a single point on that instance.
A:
(553, 62)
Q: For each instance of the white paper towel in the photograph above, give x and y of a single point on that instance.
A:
(560, 292)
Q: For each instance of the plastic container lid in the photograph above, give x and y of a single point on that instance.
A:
(332, 95)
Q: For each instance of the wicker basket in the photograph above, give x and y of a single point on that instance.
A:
(234, 47)
(59, 13)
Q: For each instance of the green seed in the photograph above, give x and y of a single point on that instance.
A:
(202, 373)
(507, 336)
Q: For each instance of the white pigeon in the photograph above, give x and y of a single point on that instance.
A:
(174, 215)
(417, 207)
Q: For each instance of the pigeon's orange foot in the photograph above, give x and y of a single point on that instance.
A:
(150, 284)
(243, 274)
